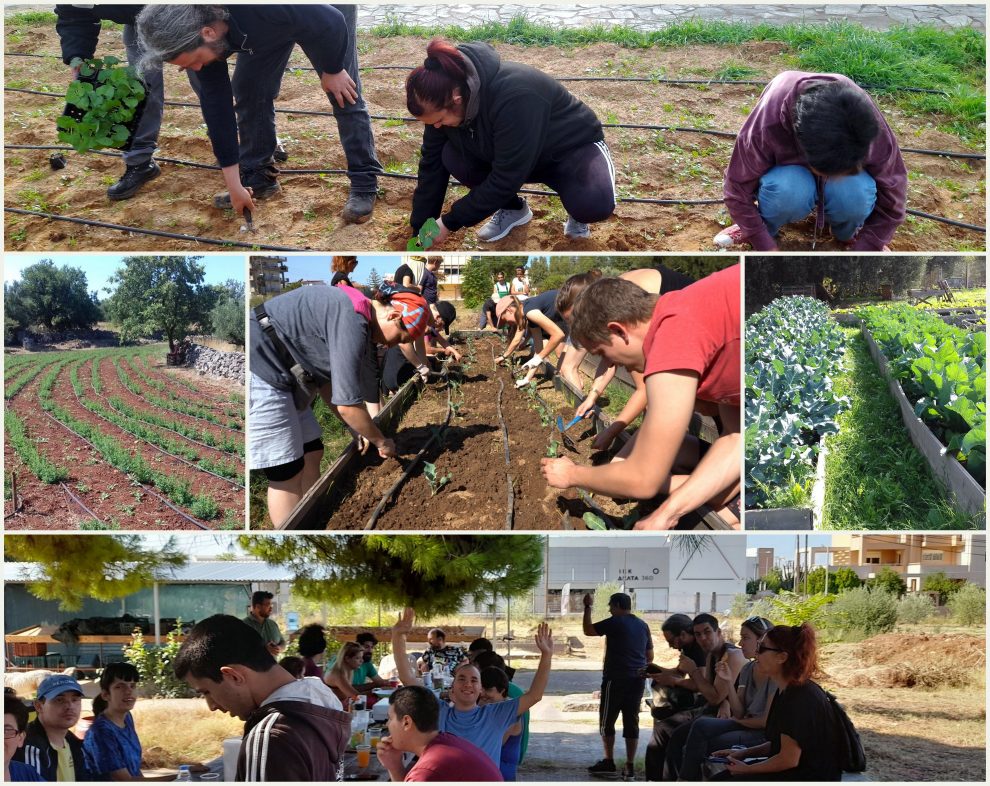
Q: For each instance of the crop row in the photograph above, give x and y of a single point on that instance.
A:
(942, 370)
(176, 489)
(204, 437)
(142, 370)
(793, 351)
(179, 449)
(23, 445)
(234, 398)
(173, 404)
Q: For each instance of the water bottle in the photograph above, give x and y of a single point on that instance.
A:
(184, 774)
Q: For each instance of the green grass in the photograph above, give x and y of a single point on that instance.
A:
(919, 56)
(30, 18)
(874, 477)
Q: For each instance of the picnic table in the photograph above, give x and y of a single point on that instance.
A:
(942, 292)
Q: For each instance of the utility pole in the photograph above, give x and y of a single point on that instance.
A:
(797, 563)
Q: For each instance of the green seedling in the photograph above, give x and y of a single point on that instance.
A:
(430, 472)
(591, 521)
(553, 449)
(429, 232)
(101, 103)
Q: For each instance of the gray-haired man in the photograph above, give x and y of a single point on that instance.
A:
(201, 37)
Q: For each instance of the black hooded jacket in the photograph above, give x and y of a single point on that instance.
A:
(517, 120)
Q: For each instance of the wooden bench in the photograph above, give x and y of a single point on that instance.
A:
(920, 296)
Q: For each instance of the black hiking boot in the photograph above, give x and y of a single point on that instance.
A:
(133, 178)
(359, 207)
(604, 769)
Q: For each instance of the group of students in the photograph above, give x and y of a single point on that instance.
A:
(678, 338)
(813, 141)
(750, 711)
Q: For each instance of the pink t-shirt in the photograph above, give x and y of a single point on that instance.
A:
(697, 329)
(453, 759)
(362, 305)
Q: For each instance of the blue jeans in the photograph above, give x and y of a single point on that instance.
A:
(256, 83)
(708, 734)
(145, 138)
(789, 193)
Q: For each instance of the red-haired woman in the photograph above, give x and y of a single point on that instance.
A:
(496, 125)
(801, 731)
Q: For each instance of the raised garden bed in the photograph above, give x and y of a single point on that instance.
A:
(470, 450)
(961, 486)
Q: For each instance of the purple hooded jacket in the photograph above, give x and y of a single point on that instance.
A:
(767, 140)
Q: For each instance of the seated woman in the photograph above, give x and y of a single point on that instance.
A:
(111, 746)
(534, 317)
(802, 736)
(340, 678)
(742, 717)
(342, 267)
(496, 125)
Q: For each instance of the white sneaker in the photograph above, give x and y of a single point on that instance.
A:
(503, 222)
(575, 229)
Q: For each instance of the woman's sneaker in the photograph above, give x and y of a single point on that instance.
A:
(730, 236)
(575, 229)
(503, 222)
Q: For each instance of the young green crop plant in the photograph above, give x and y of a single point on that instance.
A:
(553, 449)
(428, 233)
(431, 475)
(100, 104)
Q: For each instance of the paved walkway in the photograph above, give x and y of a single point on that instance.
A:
(654, 16)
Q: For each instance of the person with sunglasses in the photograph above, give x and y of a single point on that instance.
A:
(741, 717)
(801, 735)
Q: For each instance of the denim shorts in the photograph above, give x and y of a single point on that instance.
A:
(277, 431)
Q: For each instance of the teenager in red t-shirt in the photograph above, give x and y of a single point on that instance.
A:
(687, 345)
(413, 727)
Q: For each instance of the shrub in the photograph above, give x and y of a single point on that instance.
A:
(154, 664)
(790, 608)
(969, 605)
(227, 321)
(942, 584)
(912, 609)
(888, 580)
(869, 611)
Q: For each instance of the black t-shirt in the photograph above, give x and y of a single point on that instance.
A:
(672, 279)
(627, 638)
(802, 712)
(341, 278)
(546, 304)
(401, 273)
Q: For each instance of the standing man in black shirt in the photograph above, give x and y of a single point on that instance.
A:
(628, 648)
(201, 38)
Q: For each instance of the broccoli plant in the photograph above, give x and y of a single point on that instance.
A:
(100, 104)
(436, 483)
(553, 449)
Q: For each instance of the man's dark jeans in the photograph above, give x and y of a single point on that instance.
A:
(256, 82)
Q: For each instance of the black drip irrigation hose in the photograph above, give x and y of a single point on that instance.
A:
(632, 126)
(413, 462)
(80, 503)
(529, 191)
(154, 232)
(654, 79)
(949, 221)
(148, 489)
(510, 511)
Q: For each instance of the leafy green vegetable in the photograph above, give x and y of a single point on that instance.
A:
(942, 370)
(100, 104)
(428, 233)
(430, 472)
(793, 351)
(592, 521)
(553, 448)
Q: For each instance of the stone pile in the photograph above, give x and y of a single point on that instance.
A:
(212, 363)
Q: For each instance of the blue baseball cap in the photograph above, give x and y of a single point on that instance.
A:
(56, 685)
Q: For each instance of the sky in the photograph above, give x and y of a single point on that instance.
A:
(312, 268)
(99, 267)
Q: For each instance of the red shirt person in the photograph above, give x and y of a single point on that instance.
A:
(687, 344)
(413, 727)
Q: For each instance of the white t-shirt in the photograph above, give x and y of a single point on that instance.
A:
(519, 284)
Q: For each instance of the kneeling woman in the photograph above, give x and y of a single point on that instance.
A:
(318, 340)
(496, 125)
(533, 318)
(802, 739)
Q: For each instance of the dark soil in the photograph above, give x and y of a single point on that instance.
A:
(649, 164)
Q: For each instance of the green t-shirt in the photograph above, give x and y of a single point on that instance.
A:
(267, 629)
(361, 675)
(514, 693)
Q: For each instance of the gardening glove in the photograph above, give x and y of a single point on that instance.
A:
(522, 382)
(533, 362)
(423, 371)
